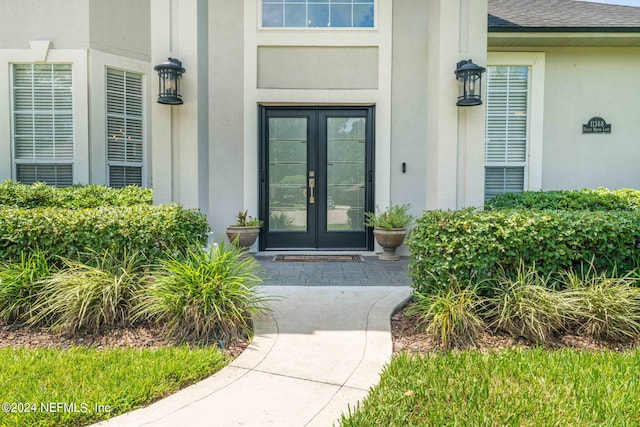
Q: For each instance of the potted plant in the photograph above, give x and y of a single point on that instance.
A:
(390, 228)
(245, 231)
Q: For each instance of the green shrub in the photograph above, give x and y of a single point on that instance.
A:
(204, 294)
(90, 296)
(526, 306)
(20, 283)
(18, 195)
(470, 244)
(71, 233)
(450, 316)
(600, 199)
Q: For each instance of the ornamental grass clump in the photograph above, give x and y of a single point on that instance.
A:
(20, 283)
(450, 316)
(92, 296)
(604, 307)
(526, 306)
(204, 294)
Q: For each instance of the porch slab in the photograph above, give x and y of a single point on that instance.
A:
(370, 272)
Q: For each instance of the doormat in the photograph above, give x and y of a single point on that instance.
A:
(318, 258)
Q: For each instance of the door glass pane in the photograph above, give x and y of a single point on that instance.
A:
(287, 174)
(345, 173)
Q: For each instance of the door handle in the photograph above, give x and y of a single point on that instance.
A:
(312, 187)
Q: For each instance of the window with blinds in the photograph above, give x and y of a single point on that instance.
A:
(42, 115)
(506, 149)
(125, 126)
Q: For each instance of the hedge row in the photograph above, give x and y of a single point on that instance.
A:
(18, 195)
(73, 233)
(475, 245)
(600, 199)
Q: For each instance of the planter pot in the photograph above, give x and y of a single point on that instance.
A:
(389, 240)
(243, 237)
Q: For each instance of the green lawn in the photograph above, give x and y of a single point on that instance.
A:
(79, 386)
(512, 388)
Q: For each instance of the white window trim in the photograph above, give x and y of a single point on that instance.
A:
(55, 160)
(262, 28)
(535, 129)
(100, 61)
(78, 61)
(110, 163)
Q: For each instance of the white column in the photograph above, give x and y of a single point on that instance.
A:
(179, 134)
(471, 120)
(455, 138)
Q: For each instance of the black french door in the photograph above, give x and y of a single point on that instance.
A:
(316, 173)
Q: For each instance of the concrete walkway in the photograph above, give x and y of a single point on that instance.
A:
(314, 356)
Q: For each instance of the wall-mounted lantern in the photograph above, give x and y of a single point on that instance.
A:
(170, 73)
(469, 75)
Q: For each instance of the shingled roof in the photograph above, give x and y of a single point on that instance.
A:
(561, 16)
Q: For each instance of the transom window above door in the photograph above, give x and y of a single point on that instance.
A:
(318, 13)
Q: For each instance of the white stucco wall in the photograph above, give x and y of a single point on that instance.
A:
(64, 22)
(115, 26)
(226, 111)
(78, 58)
(180, 133)
(89, 35)
(403, 66)
(408, 103)
(318, 67)
(121, 27)
(582, 83)
(454, 148)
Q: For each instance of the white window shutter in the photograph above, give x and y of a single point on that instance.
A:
(125, 127)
